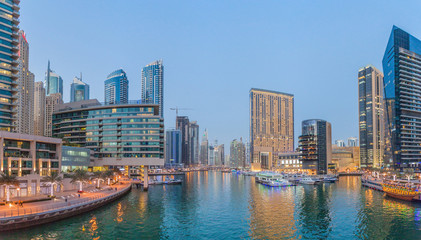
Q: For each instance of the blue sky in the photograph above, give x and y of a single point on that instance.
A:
(215, 51)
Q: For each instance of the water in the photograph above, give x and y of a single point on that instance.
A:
(214, 205)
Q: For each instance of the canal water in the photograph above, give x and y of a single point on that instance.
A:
(215, 205)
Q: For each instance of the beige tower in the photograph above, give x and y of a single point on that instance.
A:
(39, 108)
(271, 126)
(24, 121)
(51, 103)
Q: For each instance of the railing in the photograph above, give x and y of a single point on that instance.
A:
(17, 211)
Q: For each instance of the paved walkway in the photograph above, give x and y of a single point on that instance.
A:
(11, 210)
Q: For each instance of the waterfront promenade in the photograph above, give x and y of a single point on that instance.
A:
(13, 216)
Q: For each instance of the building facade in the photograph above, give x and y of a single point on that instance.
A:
(120, 135)
(340, 143)
(116, 88)
(289, 162)
(153, 85)
(219, 153)
(346, 159)
(79, 91)
(51, 103)
(173, 148)
(204, 147)
(183, 124)
(53, 82)
(194, 143)
(271, 126)
(315, 144)
(39, 108)
(353, 142)
(211, 155)
(371, 117)
(25, 94)
(401, 67)
(237, 154)
(9, 64)
(75, 158)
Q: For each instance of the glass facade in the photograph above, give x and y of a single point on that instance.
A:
(9, 71)
(113, 132)
(173, 147)
(74, 157)
(116, 88)
(153, 85)
(53, 82)
(402, 81)
(79, 90)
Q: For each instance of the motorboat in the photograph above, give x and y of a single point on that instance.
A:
(330, 179)
(307, 180)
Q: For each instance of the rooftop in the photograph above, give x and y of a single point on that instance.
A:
(270, 91)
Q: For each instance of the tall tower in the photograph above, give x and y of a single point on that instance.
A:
(194, 142)
(116, 88)
(25, 93)
(183, 124)
(51, 103)
(39, 108)
(79, 91)
(204, 147)
(237, 154)
(173, 147)
(53, 82)
(153, 85)
(271, 126)
(371, 117)
(402, 65)
(9, 65)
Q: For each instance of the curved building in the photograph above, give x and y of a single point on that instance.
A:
(9, 70)
(116, 88)
(79, 90)
(120, 135)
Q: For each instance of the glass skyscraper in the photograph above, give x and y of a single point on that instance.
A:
(116, 88)
(79, 90)
(402, 81)
(153, 85)
(9, 70)
(173, 147)
(53, 82)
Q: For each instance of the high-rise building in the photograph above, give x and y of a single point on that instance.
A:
(25, 94)
(271, 126)
(353, 142)
(211, 155)
(219, 153)
(173, 147)
(237, 154)
(204, 145)
(39, 108)
(194, 143)
(116, 88)
(315, 144)
(9, 69)
(401, 67)
(51, 103)
(153, 85)
(79, 91)
(248, 154)
(183, 124)
(340, 143)
(53, 82)
(371, 117)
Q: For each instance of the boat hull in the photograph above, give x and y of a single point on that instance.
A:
(401, 197)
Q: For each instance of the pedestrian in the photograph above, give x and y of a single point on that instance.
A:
(65, 199)
(116, 189)
(79, 195)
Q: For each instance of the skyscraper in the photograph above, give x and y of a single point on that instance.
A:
(401, 65)
(39, 108)
(116, 88)
(237, 154)
(211, 155)
(315, 144)
(353, 142)
(173, 147)
(183, 124)
(79, 90)
(204, 145)
(271, 126)
(371, 117)
(219, 153)
(153, 85)
(194, 143)
(53, 82)
(340, 143)
(9, 64)
(51, 103)
(25, 93)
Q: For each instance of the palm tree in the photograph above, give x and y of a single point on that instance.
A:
(53, 178)
(8, 180)
(98, 176)
(108, 175)
(79, 176)
(409, 172)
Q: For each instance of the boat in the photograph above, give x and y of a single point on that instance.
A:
(272, 180)
(330, 179)
(249, 173)
(307, 180)
(173, 181)
(400, 192)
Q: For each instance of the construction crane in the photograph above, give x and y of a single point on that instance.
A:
(177, 108)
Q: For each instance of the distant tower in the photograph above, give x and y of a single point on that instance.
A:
(51, 103)
(173, 147)
(204, 145)
(53, 82)
(116, 88)
(340, 143)
(183, 124)
(153, 85)
(79, 91)
(39, 109)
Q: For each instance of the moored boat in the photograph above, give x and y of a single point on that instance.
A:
(307, 180)
(400, 192)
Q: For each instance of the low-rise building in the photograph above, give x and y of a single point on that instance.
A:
(288, 162)
(74, 158)
(345, 159)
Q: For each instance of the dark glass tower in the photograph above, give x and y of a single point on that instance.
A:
(402, 89)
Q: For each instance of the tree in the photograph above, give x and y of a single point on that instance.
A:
(409, 172)
(98, 176)
(8, 180)
(108, 175)
(79, 176)
(53, 178)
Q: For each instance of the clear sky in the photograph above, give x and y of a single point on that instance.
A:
(215, 51)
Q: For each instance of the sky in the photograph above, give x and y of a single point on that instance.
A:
(215, 51)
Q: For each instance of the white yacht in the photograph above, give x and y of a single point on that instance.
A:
(307, 180)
